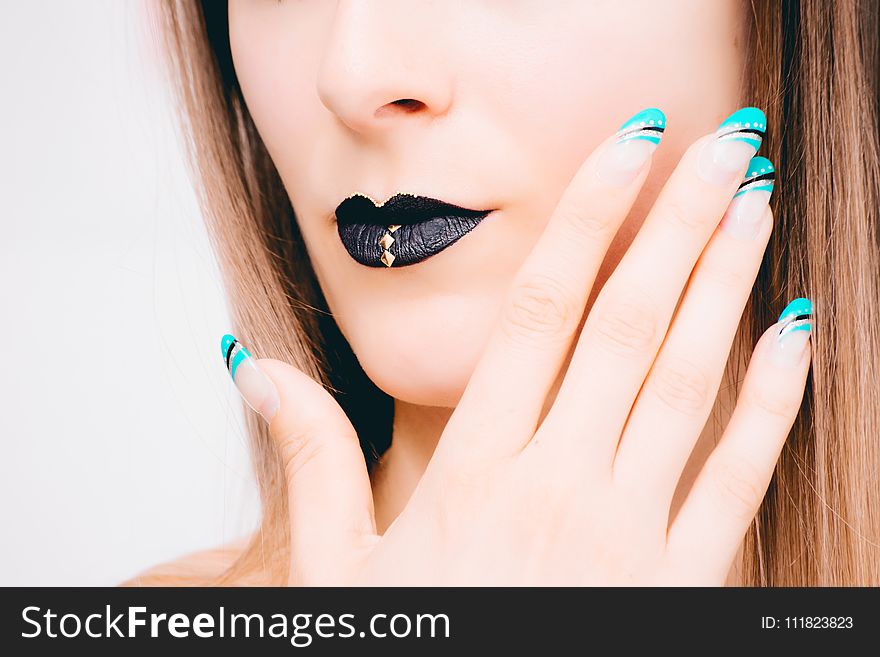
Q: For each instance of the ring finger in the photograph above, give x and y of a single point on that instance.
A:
(680, 389)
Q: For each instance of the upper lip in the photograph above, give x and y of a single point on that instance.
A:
(400, 209)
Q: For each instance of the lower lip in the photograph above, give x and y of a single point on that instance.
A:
(412, 243)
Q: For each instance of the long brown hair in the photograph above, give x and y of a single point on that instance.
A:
(814, 69)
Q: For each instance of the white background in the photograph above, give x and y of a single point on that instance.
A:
(123, 443)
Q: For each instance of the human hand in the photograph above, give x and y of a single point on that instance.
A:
(580, 495)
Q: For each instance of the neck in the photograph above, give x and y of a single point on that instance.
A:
(415, 433)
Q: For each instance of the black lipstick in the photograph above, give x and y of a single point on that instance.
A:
(404, 230)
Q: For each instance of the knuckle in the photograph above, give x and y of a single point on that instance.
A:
(554, 492)
(628, 326)
(737, 488)
(587, 225)
(724, 274)
(537, 307)
(679, 216)
(547, 503)
(459, 491)
(776, 402)
(681, 385)
(297, 451)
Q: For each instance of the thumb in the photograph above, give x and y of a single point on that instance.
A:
(329, 495)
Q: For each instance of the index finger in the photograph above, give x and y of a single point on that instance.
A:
(544, 306)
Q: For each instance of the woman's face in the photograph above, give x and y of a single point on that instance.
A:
(506, 99)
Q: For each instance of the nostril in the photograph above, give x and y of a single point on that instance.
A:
(408, 105)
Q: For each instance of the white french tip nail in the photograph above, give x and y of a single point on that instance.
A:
(255, 387)
(736, 140)
(793, 330)
(788, 349)
(621, 163)
(721, 161)
(743, 216)
(635, 142)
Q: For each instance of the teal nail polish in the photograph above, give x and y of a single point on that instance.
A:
(636, 140)
(796, 317)
(234, 353)
(648, 125)
(760, 177)
(748, 125)
(255, 386)
(744, 217)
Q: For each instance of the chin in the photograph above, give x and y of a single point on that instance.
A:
(425, 387)
(427, 368)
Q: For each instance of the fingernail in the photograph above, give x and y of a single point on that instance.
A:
(744, 214)
(255, 387)
(635, 142)
(737, 139)
(795, 328)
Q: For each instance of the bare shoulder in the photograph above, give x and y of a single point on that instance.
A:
(205, 567)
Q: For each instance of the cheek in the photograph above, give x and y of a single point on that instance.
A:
(275, 62)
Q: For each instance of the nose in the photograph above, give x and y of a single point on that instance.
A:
(380, 66)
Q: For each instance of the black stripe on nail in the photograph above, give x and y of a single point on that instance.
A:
(799, 319)
(757, 179)
(229, 352)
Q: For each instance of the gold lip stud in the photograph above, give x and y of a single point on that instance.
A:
(387, 258)
(386, 241)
